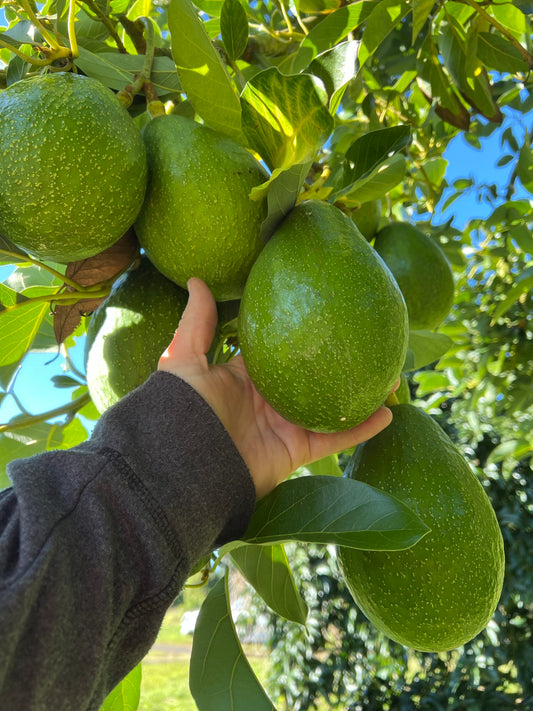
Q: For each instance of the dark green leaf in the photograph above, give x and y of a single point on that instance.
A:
(385, 16)
(421, 12)
(11, 253)
(220, 676)
(267, 570)
(326, 34)
(126, 695)
(383, 179)
(425, 347)
(202, 73)
(430, 71)
(65, 381)
(284, 118)
(234, 28)
(328, 509)
(521, 234)
(498, 53)
(523, 284)
(16, 69)
(336, 68)
(525, 166)
(281, 197)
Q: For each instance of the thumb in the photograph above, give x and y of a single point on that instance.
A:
(196, 330)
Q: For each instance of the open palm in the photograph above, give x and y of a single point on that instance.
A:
(271, 447)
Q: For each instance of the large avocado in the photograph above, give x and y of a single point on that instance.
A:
(443, 591)
(322, 325)
(73, 166)
(422, 271)
(198, 218)
(129, 331)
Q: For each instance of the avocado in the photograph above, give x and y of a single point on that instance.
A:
(367, 218)
(322, 325)
(129, 331)
(422, 271)
(198, 218)
(73, 166)
(442, 592)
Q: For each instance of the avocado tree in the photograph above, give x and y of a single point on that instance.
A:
(349, 104)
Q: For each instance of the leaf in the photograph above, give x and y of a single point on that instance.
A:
(328, 466)
(523, 284)
(371, 150)
(88, 272)
(328, 33)
(117, 70)
(421, 12)
(425, 347)
(336, 68)
(513, 448)
(283, 191)
(327, 509)
(127, 694)
(377, 184)
(202, 74)
(284, 118)
(383, 19)
(234, 28)
(429, 381)
(18, 327)
(10, 253)
(27, 442)
(525, 166)
(220, 676)
(523, 238)
(498, 53)
(267, 570)
(430, 71)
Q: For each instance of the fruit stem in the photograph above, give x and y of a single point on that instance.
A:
(52, 41)
(392, 400)
(31, 60)
(102, 17)
(70, 408)
(71, 31)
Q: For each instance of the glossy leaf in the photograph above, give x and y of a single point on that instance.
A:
(383, 179)
(267, 570)
(127, 694)
(336, 68)
(327, 509)
(202, 74)
(284, 118)
(425, 347)
(384, 18)
(234, 28)
(220, 676)
(282, 193)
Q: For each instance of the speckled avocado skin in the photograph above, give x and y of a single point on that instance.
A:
(73, 166)
(322, 325)
(198, 218)
(442, 592)
(129, 331)
(422, 271)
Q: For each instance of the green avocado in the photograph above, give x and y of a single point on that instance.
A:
(198, 218)
(129, 331)
(442, 592)
(367, 217)
(322, 325)
(422, 271)
(73, 166)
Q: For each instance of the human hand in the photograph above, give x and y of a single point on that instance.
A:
(271, 447)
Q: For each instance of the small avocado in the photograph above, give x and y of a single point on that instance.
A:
(198, 218)
(367, 217)
(442, 592)
(422, 271)
(73, 166)
(322, 325)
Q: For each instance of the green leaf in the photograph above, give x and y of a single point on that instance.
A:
(521, 234)
(336, 68)
(421, 12)
(326, 34)
(267, 570)
(329, 466)
(220, 676)
(378, 183)
(117, 70)
(234, 28)
(385, 16)
(430, 71)
(327, 509)
(523, 284)
(203, 76)
(126, 695)
(284, 118)
(19, 327)
(371, 150)
(498, 53)
(283, 190)
(515, 449)
(435, 170)
(15, 254)
(429, 381)
(425, 347)
(27, 442)
(525, 166)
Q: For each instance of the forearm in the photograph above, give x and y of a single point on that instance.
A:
(97, 541)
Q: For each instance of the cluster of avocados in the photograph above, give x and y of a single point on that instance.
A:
(323, 321)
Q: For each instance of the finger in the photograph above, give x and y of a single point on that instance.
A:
(322, 445)
(396, 386)
(197, 327)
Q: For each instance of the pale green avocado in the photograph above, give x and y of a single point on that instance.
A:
(442, 592)
(322, 325)
(129, 331)
(367, 217)
(73, 167)
(198, 218)
(422, 271)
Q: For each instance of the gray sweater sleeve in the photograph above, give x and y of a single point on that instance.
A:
(97, 541)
